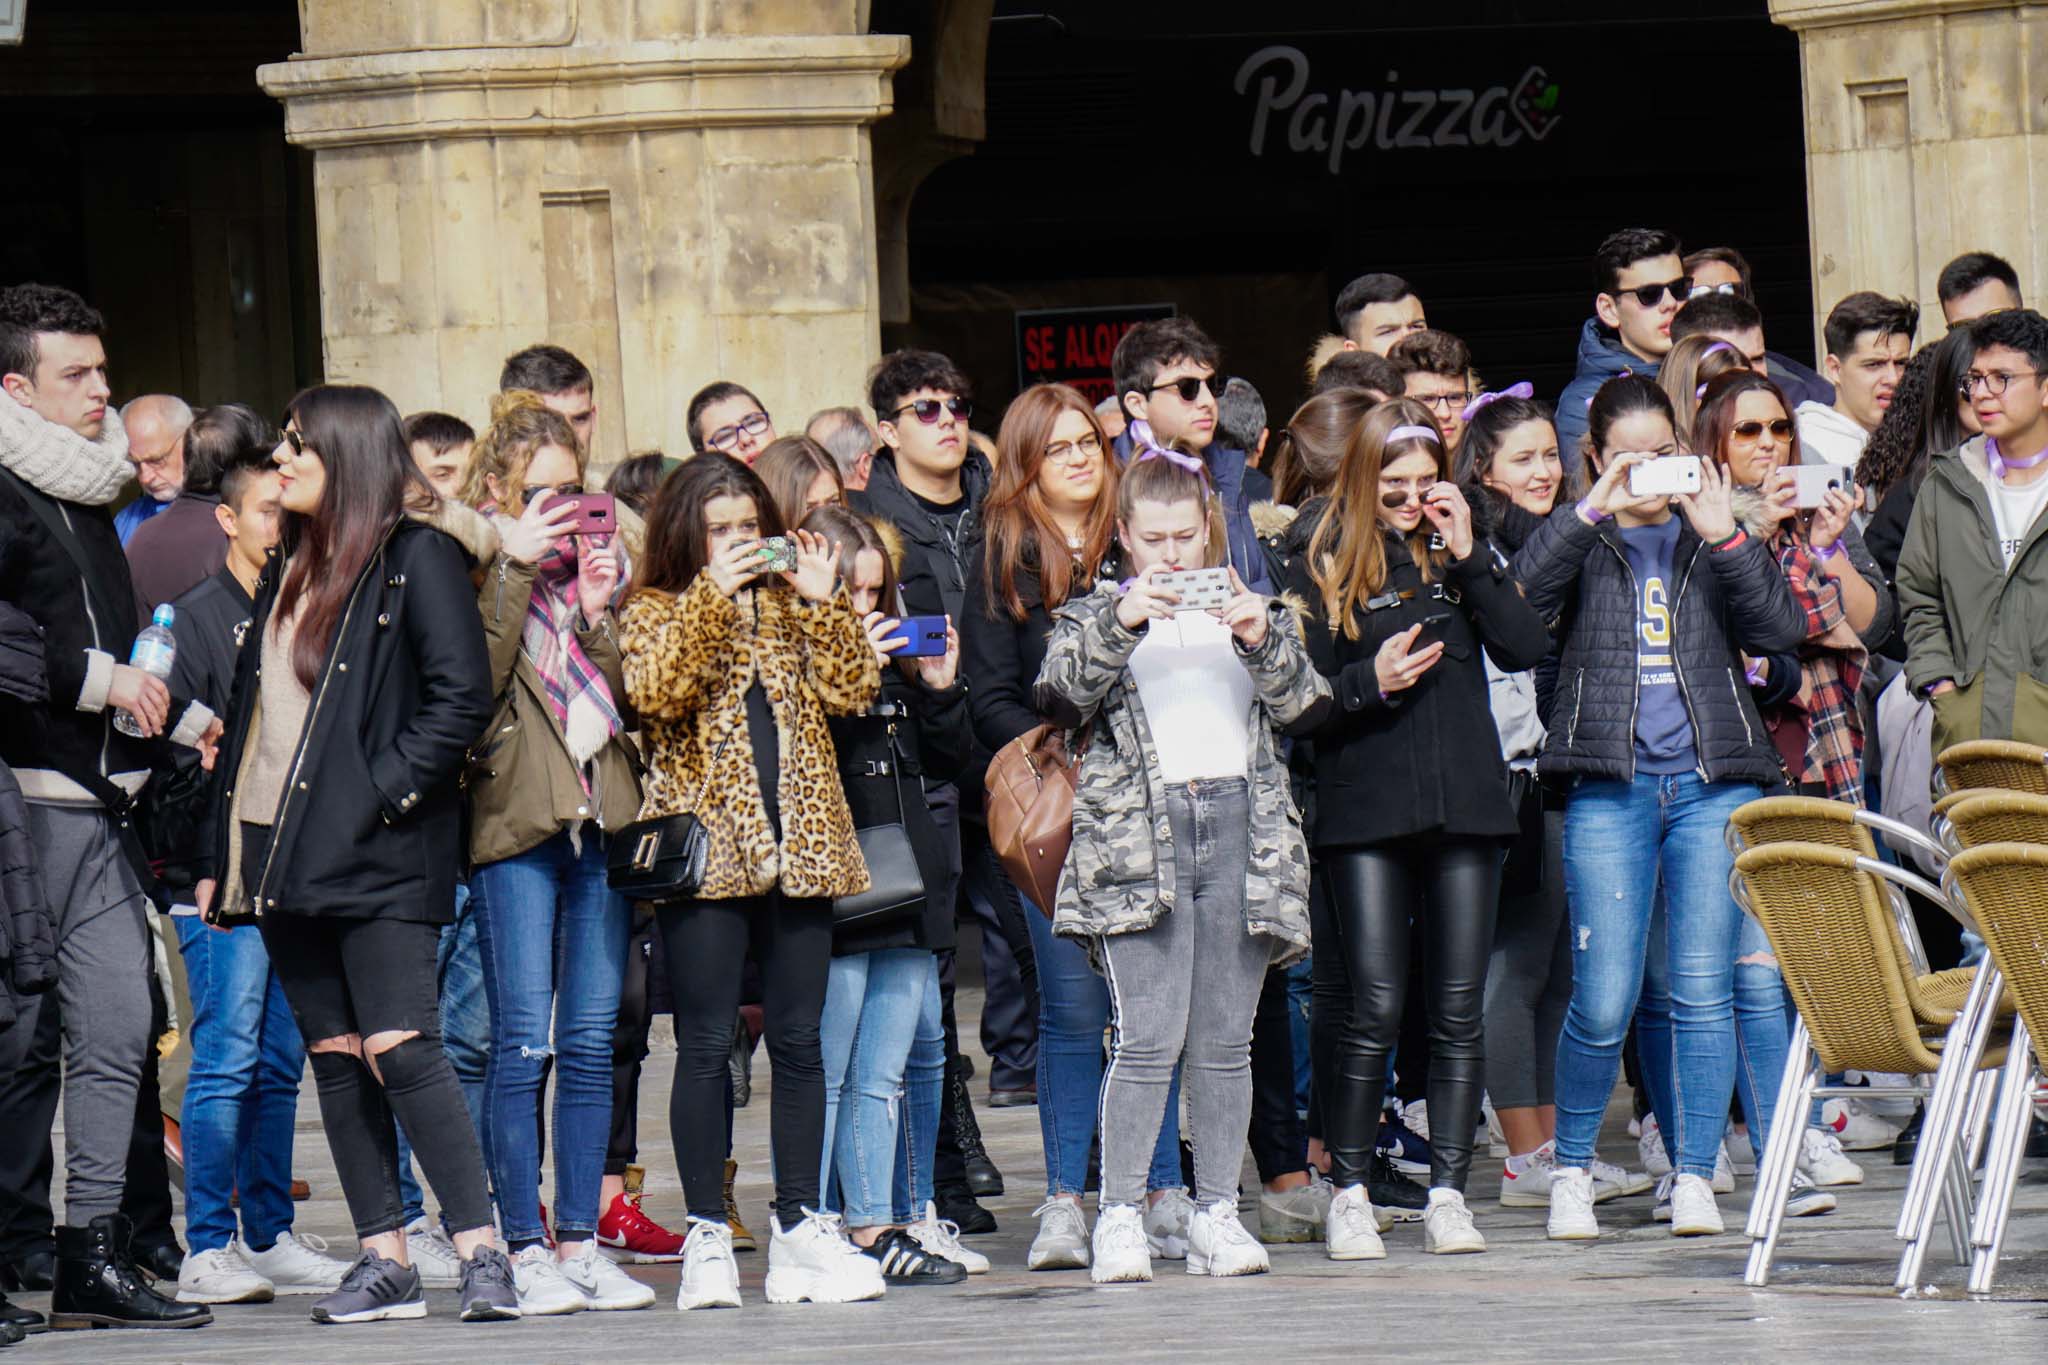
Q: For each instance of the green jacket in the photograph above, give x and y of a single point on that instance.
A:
(1115, 880)
(1965, 617)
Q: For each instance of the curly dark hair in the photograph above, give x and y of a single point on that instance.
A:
(29, 309)
(1892, 447)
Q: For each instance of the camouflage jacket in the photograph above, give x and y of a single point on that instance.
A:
(1116, 880)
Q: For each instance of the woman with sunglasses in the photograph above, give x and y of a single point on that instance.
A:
(1412, 810)
(336, 821)
(554, 777)
(1657, 741)
(1048, 528)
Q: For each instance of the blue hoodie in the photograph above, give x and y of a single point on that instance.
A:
(1601, 358)
(1238, 486)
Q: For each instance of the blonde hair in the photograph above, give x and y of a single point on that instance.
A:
(521, 424)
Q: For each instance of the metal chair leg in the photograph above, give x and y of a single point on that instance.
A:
(1799, 1060)
(1961, 1054)
(1774, 1177)
(2001, 1164)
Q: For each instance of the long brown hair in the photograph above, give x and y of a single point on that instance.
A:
(676, 537)
(370, 481)
(1686, 369)
(789, 466)
(1347, 555)
(521, 425)
(1306, 454)
(1715, 422)
(1021, 534)
(852, 533)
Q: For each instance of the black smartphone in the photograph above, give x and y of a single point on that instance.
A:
(1432, 629)
(927, 636)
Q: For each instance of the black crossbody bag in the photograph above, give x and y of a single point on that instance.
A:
(663, 859)
(895, 883)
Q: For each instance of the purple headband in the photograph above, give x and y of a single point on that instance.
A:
(1148, 449)
(1522, 390)
(1414, 433)
(1701, 391)
(1625, 374)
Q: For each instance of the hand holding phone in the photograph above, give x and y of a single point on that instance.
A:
(1667, 476)
(1199, 589)
(595, 514)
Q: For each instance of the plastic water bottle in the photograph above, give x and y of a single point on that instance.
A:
(155, 647)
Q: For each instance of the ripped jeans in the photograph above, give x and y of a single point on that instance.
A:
(553, 940)
(873, 1004)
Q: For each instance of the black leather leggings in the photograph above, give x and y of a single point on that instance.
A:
(1449, 887)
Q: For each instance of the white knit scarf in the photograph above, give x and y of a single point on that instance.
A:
(59, 462)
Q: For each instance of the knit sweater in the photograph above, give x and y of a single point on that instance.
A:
(282, 701)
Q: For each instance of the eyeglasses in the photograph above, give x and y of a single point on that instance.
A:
(1443, 402)
(567, 490)
(927, 409)
(725, 438)
(1064, 452)
(1650, 295)
(1751, 432)
(154, 461)
(1191, 388)
(1994, 383)
(1700, 291)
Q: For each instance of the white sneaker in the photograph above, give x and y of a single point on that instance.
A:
(222, 1276)
(297, 1265)
(941, 1237)
(602, 1283)
(1805, 1201)
(544, 1291)
(1296, 1215)
(1859, 1128)
(1062, 1240)
(1447, 1228)
(1821, 1159)
(1121, 1253)
(1650, 1146)
(1612, 1182)
(815, 1261)
(433, 1255)
(1693, 1210)
(711, 1278)
(1415, 1115)
(1166, 1224)
(1219, 1245)
(1724, 1171)
(1496, 1139)
(1571, 1206)
(1529, 1188)
(1351, 1234)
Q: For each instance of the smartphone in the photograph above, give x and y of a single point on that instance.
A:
(596, 513)
(1666, 476)
(1432, 629)
(1199, 589)
(927, 636)
(778, 555)
(1811, 483)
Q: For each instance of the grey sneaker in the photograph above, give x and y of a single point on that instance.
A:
(487, 1293)
(373, 1289)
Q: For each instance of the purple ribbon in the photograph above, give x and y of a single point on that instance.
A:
(1414, 433)
(1999, 464)
(1626, 373)
(1522, 390)
(1148, 449)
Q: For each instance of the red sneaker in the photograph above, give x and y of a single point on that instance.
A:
(631, 1236)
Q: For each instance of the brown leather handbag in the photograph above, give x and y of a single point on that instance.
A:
(1030, 809)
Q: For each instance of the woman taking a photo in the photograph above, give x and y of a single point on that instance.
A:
(552, 779)
(1049, 524)
(336, 822)
(1189, 705)
(1412, 808)
(733, 668)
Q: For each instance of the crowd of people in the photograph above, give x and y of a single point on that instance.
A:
(1402, 737)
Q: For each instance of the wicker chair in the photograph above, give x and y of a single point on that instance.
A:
(2002, 763)
(1996, 817)
(1863, 1004)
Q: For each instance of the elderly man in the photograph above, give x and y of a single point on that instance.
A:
(846, 433)
(156, 424)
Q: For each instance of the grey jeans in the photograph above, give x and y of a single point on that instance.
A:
(1186, 987)
(1529, 984)
(104, 961)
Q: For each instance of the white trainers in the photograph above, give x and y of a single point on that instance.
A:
(1821, 1159)
(1860, 1128)
(1296, 1215)
(1062, 1240)
(1166, 1224)
(1121, 1252)
(1650, 1147)
(1693, 1210)
(603, 1285)
(1496, 1138)
(1805, 1201)
(1415, 1116)
(1612, 1182)
(711, 1278)
(297, 1265)
(1724, 1171)
(1218, 1243)
(1447, 1227)
(1351, 1233)
(941, 1237)
(1571, 1206)
(222, 1276)
(814, 1261)
(1529, 1188)
(544, 1291)
(433, 1255)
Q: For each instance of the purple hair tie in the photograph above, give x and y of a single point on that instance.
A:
(1148, 449)
(1626, 373)
(1414, 433)
(1522, 390)
(1717, 346)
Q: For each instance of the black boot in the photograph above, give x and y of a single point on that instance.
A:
(958, 1206)
(982, 1176)
(24, 1320)
(30, 1272)
(10, 1334)
(1908, 1141)
(98, 1286)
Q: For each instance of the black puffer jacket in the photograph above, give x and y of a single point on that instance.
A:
(1725, 602)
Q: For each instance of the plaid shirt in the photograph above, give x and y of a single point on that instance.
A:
(1831, 669)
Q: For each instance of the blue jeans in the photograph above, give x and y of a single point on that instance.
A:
(553, 937)
(465, 1033)
(1622, 841)
(242, 1094)
(872, 1004)
(1073, 1011)
(924, 1086)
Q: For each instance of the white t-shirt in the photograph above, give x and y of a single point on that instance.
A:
(1197, 697)
(2015, 508)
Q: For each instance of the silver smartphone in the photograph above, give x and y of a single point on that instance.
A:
(1667, 476)
(1811, 483)
(1199, 589)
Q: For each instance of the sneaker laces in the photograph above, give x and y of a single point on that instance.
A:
(1454, 1212)
(1062, 1207)
(1229, 1228)
(1354, 1216)
(944, 1232)
(360, 1271)
(832, 1227)
(1124, 1234)
(1578, 1194)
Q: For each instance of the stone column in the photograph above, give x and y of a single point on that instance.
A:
(676, 190)
(1926, 130)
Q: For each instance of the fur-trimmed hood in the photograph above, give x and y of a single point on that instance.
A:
(476, 533)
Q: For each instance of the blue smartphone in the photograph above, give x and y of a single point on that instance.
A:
(927, 636)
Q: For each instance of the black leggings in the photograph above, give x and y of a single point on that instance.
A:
(1449, 887)
(629, 1047)
(706, 943)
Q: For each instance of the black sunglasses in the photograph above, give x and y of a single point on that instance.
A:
(1190, 389)
(1650, 295)
(928, 409)
(296, 441)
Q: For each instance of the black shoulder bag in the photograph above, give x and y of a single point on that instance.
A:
(895, 884)
(663, 859)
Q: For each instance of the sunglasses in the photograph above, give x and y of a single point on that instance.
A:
(1751, 431)
(1191, 389)
(1700, 291)
(1650, 295)
(295, 441)
(927, 410)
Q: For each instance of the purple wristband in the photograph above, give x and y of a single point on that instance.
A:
(1824, 555)
(1588, 512)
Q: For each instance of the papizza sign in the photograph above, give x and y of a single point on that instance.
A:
(1074, 345)
(1289, 114)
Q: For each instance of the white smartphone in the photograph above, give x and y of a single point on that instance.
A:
(1665, 476)
(1813, 482)
(1199, 589)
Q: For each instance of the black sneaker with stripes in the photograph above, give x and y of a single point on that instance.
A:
(374, 1289)
(905, 1263)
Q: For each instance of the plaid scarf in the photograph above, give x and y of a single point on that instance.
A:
(1830, 670)
(576, 691)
